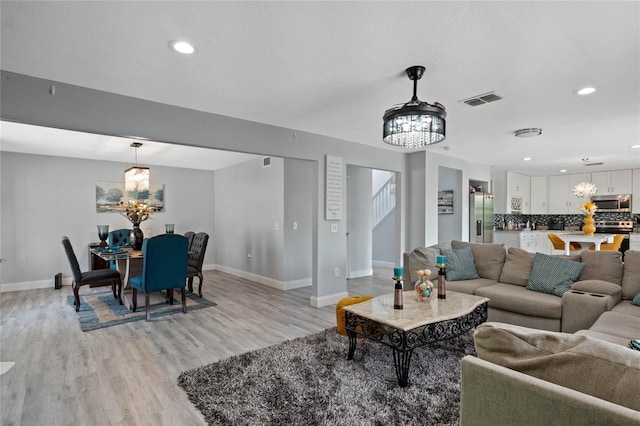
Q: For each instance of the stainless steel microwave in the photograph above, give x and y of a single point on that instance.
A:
(613, 203)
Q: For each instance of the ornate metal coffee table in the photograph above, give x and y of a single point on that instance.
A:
(416, 325)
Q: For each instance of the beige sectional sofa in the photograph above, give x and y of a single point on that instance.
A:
(604, 284)
(543, 358)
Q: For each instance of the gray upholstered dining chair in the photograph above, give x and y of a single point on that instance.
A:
(164, 268)
(189, 235)
(197, 250)
(99, 276)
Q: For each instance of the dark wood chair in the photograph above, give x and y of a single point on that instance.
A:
(164, 268)
(196, 259)
(99, 276)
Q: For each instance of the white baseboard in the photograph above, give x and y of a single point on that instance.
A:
(332, 299)
(361, 273)
(280, 285)
(26, 285)
(383, 264)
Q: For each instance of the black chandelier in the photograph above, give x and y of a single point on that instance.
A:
(415, 124)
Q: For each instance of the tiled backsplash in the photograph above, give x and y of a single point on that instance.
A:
(569, 219)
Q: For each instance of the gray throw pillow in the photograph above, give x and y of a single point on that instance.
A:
(460, 264)
(636, 300)
(553, 275)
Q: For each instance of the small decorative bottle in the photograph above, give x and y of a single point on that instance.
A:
(442, 288)
(398, 288)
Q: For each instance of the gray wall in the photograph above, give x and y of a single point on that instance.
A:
(249, 207)
(45, 197)
(384, 239)
(298, 206)
(416, 200)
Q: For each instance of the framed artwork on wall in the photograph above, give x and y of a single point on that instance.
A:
(110, 194)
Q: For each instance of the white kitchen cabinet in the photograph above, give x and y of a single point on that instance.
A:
(532, 241)
(539, 195)
(519, 186)
(561, 198)
(614, 182)
(635, 197)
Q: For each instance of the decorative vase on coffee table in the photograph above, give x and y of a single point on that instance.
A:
(136, 237)
(589, 228)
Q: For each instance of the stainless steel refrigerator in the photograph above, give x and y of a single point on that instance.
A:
(480, 217)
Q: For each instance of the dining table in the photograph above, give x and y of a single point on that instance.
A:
(582, 238)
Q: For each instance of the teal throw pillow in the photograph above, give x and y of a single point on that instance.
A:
(553, 275)
(635, 344)
(636, 300)
(460, 264)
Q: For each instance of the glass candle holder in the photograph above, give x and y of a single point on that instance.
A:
(103, 233)
(168, 228)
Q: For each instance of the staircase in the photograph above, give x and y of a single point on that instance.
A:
(384, 201)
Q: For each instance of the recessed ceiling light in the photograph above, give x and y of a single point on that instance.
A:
(528, 133)
(563, 171)
(526, 159)
(634, 146)
(182, 47)
(586, 91)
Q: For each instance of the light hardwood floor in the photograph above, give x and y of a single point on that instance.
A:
(126, 374)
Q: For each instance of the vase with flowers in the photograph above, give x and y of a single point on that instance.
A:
(136, 213)
(589, 208)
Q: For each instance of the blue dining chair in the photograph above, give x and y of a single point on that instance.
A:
(164, 267)
(118, 238)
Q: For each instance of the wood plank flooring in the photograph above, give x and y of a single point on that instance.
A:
(126, 374)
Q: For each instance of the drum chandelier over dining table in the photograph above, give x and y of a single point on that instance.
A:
(136, 178)
(414, 124)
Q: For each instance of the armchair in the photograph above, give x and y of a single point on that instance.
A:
(196, 258)
(99, 276)
(164, 268)
(189, 235)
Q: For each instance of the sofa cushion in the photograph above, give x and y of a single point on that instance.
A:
(598, 286)
(631, 278)
(517, 267)
(489, 258)
(622, 341)
(468, 286)
(553, 275)
(618, 324)
(460, 264)
(421, 258)
(578, 362)
(518, 299)
(625, 307)
(636, 300)
(605, 265)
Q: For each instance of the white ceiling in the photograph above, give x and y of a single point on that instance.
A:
(333, 68)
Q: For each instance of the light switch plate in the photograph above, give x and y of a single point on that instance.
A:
(334, 227)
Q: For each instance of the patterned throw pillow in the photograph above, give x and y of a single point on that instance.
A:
(636, 300)
(635, 344)
(553, 275)
(460, 264)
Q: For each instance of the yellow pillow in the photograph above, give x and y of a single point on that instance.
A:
(347, 301)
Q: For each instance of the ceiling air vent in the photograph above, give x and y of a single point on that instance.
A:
(594, 164)
(485, 98)
(266, 161)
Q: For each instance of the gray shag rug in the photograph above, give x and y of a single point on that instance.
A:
(309, 381)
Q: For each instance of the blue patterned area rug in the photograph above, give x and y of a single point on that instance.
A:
(101, 309)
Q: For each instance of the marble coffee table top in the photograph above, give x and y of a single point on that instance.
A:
(414, 313)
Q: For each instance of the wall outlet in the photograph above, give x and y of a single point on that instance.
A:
(334, 227)
(336, 272)
(295, 225)
(277, 226)
(250, 257)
